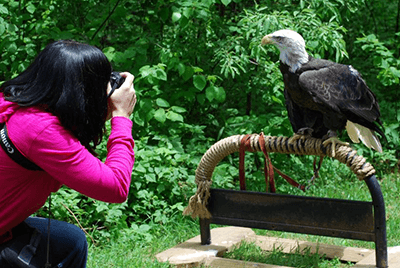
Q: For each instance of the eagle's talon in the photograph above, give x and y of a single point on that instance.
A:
(295, 137)
(301, 134)
(334, 141)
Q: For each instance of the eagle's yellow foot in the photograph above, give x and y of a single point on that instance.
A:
(333, 141)
(301, 134)
(296, 137)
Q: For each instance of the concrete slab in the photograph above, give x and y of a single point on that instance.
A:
(227, 263)
(370, 261)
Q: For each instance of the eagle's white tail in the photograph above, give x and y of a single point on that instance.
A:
(357, 132)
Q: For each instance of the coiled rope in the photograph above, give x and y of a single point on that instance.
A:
(197, 206)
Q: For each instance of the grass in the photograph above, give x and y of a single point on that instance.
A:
(138, 249)
(302, 259)
(134, 249)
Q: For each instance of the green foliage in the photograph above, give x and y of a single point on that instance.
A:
(387, 70)
(202, 75)
(383, 58)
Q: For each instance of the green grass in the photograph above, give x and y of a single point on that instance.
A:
(138, 247)
(303, 259)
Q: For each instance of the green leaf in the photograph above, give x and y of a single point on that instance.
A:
(12, 28)
(162, 103)
(226, 2)
(161, 74)
(3, 9)
(211, 93)
(201, 98)
(176, 16)
(188, 12)
(100, 206)
(395, 72)
(178, 109)
(312, 44)
(199, 81)
(12, 48)
(188, 73)
(145, 70)
(174, 116)
(197, 69)
(2, 29)
(277, 100)
(140, 168)
(109, 52)
(160, 116)
(138, 119)
(220, 94)
(181, 68)
(31, 8)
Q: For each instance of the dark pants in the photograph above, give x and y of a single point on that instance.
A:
(68, 245)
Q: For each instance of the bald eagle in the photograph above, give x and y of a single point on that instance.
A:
(324, 97)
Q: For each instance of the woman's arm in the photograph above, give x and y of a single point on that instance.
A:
(62, 156)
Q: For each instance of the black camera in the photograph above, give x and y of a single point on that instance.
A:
(116, 80)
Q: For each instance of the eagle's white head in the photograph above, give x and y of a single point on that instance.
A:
(291, 45)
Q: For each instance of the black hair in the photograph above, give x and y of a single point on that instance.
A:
(68, 79)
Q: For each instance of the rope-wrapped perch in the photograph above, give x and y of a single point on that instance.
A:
(305, 146)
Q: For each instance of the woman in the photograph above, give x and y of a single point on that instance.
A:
(55, 113)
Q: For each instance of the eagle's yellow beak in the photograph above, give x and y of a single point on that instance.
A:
(267, 40)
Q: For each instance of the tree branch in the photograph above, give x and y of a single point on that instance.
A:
(105, 21)
(398, 25)
(373, 17)
(398, 17)
(80, 225)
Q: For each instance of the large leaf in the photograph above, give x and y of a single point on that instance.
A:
(176, 16)
(199, 81)
(162, 103)
(215, 93)
(174, 116)
(31, 8)
(3, 9)
(160, 116)
(226, 2)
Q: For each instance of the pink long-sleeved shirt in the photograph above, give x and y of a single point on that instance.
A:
(40, 136)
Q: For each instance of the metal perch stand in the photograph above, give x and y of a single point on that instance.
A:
(309, 215)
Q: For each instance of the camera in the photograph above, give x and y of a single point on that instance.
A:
(116, 80)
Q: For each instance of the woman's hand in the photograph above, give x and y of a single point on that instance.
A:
(123, 100)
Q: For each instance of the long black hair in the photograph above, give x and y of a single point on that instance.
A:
(68, 79)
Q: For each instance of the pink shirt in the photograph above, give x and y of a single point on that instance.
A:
(40, 136)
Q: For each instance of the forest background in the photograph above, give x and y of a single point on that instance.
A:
(201, 75)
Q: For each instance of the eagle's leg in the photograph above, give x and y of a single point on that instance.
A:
(332, 138)
(301, 134)
(316, 168)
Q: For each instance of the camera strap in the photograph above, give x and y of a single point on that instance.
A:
(13, 152)
(20, 159)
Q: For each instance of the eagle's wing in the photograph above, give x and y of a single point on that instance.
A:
(341, 88)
